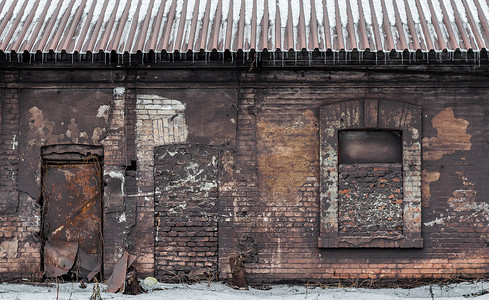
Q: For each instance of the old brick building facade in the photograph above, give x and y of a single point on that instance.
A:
(316, 165)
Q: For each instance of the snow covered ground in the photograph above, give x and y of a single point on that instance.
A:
(216, 290)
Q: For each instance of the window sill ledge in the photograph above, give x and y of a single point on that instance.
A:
(370, 242)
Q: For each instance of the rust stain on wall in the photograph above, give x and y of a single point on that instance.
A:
(452, 136)
(428, 178)
(288, 155)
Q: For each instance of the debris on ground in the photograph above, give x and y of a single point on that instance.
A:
(237, 265)
(63, 257)
(150, 281)
(124, 277)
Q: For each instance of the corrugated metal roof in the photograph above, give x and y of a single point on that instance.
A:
(179, 25)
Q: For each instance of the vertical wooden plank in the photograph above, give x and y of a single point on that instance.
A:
(371, 113)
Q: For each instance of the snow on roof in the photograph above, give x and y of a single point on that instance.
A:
(183, 25)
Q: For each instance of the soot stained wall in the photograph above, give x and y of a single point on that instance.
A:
(57, 116)
(276, 202)
(266, 123)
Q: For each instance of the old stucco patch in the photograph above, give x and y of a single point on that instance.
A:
(286, 156)
(428, 178)
(98, 132)
(41, 129)
(452, 136)
(8, 248)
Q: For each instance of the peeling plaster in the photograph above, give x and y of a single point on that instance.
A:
(178, 208)
(97, 134)
(452, 136)
(414, 133)
(164, 117)
(41, 130)
(73, 132)
(119, 175)
(195, 177)
(122, 218)
(119, 91)
(103, 112)
(15, 142)
(463, 200)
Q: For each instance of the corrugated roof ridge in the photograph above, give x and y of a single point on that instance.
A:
(300, 24)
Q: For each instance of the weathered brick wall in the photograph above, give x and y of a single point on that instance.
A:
(269, 176)
(159, 121)
(115, 162)
(32, 118)
(370, 199)
(238, 185)
(9, 136)
(186, 185)
(454, 211)
(20, 214)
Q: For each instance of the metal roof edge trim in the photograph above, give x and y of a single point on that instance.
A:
(290, 58)
(255, 51)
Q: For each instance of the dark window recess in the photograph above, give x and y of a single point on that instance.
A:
(370, 146)
(131, 169)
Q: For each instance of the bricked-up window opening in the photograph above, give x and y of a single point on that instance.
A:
(370, 185)
(186, 211)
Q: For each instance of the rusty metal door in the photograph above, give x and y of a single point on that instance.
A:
(72, 205)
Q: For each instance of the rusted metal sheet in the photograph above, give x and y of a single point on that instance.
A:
(88, 266)
(59, 257)
(72, 207)
(115, 283)
(182, 25)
